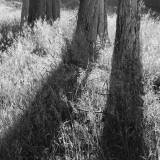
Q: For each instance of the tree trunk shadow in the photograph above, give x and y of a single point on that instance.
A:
(35, 133)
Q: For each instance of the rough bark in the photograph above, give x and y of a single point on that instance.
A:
(49, 9)
(92, 22)
(25, 11)
(123, 130)
(92, 19)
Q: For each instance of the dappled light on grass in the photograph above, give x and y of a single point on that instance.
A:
(37, 82)
(38, 86)
(23, 72)
(24, 68)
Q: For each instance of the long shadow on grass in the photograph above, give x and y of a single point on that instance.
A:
(35, 135)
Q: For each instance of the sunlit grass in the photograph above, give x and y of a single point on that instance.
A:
(31, 56)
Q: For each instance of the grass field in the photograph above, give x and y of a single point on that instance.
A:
(39, 86)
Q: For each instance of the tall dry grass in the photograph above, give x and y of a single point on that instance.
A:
(38, 87)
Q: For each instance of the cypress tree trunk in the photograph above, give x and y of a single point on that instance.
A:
(123, 129)
(24, 12)
(92, 19)
(49, 9)
(92, 22)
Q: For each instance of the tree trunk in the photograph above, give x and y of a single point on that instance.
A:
(25, 11)
(123, 129)
(92, 19)
(49, 9)
(92, 22)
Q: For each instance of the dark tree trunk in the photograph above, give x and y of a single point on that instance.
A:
(24, 13)
(92, 22)
(49, 9)
(92, 19)
(123, 130)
